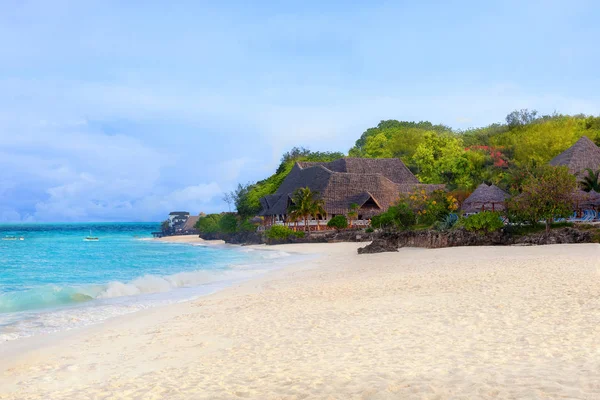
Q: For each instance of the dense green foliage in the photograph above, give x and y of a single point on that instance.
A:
(483, 222)
(464, 159)
(223, 223)
(338, 222)
(280, 232)
(399, 217)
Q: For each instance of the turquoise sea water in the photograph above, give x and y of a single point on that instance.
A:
(54, 280)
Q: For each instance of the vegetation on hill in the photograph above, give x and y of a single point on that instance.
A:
(507, 154)
(464, 159)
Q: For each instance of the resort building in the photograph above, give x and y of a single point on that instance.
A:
(582, 155)
(177, 219)
(372, 184)
(485, 198)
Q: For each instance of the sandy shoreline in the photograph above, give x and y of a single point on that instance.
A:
(517, 322)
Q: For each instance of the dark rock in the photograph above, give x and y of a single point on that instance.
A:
(430, 239)
(378, 246)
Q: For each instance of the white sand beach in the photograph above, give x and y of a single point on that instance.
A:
(457, 323)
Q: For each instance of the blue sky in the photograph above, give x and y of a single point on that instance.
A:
(112, 111)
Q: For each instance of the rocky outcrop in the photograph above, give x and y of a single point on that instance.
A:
(378, 246)
(248, 238)
(391, 241)
(327, 237)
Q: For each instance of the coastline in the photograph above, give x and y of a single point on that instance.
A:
(189, 239)
(419, 323)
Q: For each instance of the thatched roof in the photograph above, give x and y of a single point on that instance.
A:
(392, 168)
(372, 184)
(190, 223)
(587, 199)
(485, 198)
(582, 155)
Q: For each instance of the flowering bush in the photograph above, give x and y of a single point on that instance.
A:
(432, 207)
(497, 157)
(417, 208)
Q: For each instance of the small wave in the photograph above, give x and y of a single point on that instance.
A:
(269, 255)
(53, 296)
(159, 284)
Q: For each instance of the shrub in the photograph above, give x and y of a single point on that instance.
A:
(209, 223)
(338, 222)
(369, 230)
(446, 224)
(484, 222)
(228, 223)
(399, 216)
(280, 232)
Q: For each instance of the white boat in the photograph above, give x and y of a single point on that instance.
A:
(91, 238)
(13, 238)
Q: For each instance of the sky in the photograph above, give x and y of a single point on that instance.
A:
(124, 111)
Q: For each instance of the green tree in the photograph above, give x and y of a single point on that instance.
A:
(521, 117)
(228, 223)
(208, 223)
(441, 158)
(377, 146)
(547, 193)
(591, 180)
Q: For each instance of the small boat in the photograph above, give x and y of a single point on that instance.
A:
(13, 238)
(91, 238)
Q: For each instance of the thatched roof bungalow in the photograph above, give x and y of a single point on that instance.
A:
(485, 198)
(373, 184)
(587, 199)
(190, 223)
(582, 155)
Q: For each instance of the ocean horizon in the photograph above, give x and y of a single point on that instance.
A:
(54, 280)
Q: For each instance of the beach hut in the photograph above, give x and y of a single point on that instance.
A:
(485, 198)
(588, 200)
(582, 155)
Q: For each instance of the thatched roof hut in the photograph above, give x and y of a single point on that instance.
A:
(582, 155)
(485, 198)
(373, 184)
(190, 224)
(587, 199)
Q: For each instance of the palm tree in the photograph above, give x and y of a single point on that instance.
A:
(353, 213)
(293, 217)
(304, 205)
(318, 209)
(591, 181)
